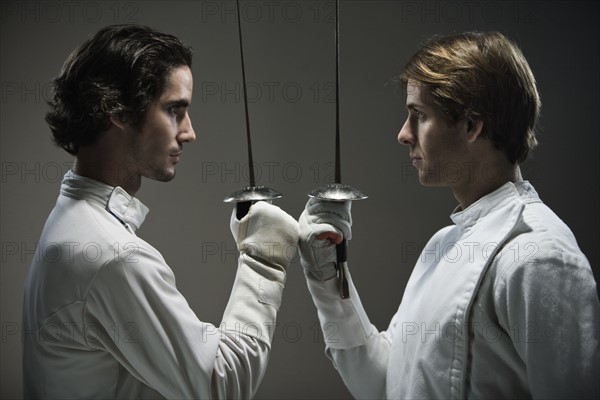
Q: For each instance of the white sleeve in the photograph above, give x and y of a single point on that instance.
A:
(169, 349)
(247, 326)
(359, 352)
(549, 306)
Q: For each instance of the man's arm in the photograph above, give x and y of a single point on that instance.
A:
(267, 240)
(358, 351)
(174, 352)
(549, 306)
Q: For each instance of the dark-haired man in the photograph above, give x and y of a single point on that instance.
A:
(503, 303)
(102, 317)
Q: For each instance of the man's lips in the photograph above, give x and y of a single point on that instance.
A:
(175, 156)
(416, 160)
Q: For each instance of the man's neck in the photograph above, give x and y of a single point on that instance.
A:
(103, 162)
(484, 182)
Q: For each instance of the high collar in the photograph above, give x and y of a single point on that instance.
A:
(128, 210)
(506, 193)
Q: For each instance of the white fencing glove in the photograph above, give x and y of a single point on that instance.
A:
(323, 224)
(267, 239)
(266, 233)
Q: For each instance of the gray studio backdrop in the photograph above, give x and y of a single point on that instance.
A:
(290, 70)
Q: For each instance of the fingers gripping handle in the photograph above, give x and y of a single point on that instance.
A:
(242, 208)
(340, 266)
(333, 215)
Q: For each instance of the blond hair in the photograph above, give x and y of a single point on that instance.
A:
(481, 76)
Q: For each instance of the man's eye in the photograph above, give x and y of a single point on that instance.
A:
(416, 114)
(176, 111)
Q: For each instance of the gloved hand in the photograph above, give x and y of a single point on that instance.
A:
(323, 224)
(266, 233)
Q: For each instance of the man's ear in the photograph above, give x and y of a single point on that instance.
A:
(474, 129)
(119, 121)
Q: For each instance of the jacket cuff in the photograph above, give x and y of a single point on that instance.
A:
(255, 300)
(344, 322)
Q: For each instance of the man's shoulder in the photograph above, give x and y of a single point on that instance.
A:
(81, 238)
(81, 226)
(541, 244)
(542, 228)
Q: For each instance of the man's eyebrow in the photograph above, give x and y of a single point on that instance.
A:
(178, 103)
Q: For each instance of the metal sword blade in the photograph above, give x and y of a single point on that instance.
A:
(337, 191)
(252, 193)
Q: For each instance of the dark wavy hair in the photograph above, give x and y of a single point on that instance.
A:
(482, 75)
(118, 72)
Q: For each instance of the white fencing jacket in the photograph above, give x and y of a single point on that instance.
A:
(503, 304)
(102, 317)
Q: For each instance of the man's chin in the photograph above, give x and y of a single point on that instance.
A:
(428, 181)
(163, 176)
